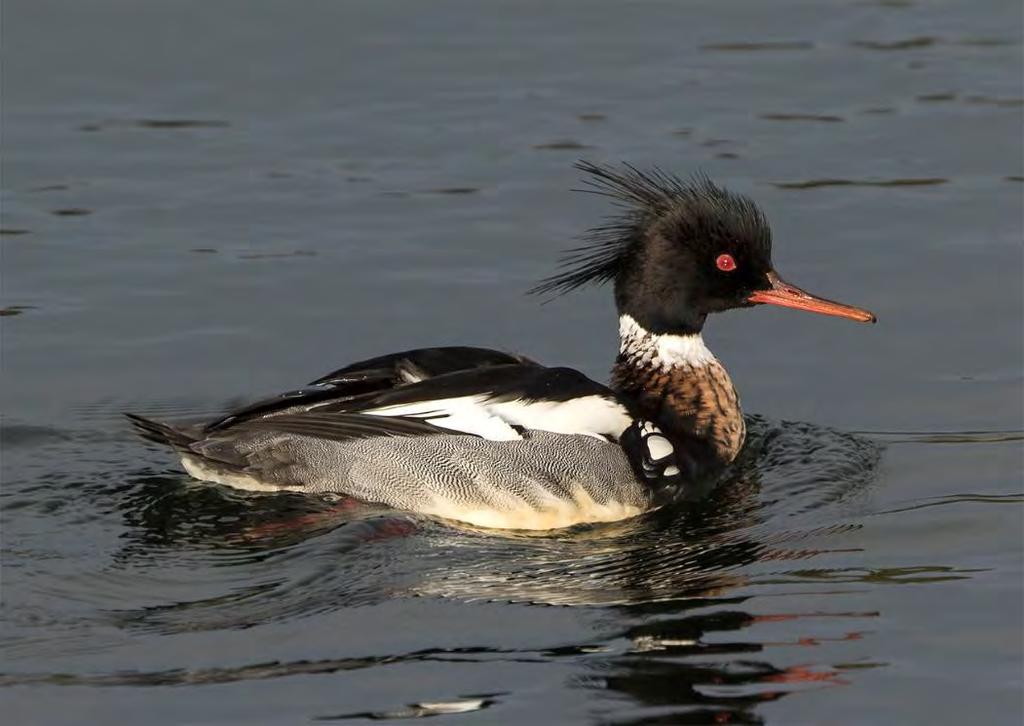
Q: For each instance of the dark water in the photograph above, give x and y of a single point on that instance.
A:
(204, 202)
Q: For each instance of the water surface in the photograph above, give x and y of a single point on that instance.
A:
(204, 203)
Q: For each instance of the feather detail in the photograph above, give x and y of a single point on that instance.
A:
(343, 426)
(643, 197)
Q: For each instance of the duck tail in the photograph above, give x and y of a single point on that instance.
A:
(160, 433)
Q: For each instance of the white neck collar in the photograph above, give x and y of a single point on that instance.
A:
(662, 350)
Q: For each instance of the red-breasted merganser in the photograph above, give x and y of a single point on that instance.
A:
(497, 440)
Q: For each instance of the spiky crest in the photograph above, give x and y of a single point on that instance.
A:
(643, 197)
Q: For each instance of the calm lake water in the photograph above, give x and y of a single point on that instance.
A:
(208, 202)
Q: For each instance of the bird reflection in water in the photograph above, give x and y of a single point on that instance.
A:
(672, 584)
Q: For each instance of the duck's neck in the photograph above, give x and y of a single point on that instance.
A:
(680, 385)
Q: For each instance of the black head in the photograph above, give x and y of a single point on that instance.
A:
(678, 251)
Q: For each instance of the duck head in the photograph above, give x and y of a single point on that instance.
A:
(680, 250)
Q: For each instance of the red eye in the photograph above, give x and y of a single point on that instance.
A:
(725, 263)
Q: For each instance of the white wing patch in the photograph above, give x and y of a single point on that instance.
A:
(467, 414)
(588, 415)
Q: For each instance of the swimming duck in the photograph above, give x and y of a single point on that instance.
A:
(497, 440)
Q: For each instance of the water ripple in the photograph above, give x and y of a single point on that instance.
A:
(838, 182)
(194, 557)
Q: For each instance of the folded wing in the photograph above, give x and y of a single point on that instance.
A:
(489, 397)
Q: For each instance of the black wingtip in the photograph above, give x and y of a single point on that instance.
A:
(158, 433)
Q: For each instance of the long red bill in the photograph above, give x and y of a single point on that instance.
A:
(791, 296)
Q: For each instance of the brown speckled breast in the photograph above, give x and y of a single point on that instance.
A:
(695, 405)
